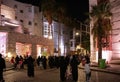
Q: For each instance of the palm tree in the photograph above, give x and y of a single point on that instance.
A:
(54, 10)
(59, 16)
(48, 8)
(100, 16)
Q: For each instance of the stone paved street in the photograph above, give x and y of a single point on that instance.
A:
(52, 75)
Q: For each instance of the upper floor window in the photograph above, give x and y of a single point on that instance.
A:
(3, 15)
(36, 10)
(29, 9)
(15, 6)
(16, 17)
(21, 21)
(35, 24)
(1, 1)
(45, 30)
(29, 23)
(71, 44)
(21, 11)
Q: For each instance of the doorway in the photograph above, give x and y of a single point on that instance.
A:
(3, 41)
(23, 49)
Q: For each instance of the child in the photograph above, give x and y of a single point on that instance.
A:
(68, 72)
(87, 70)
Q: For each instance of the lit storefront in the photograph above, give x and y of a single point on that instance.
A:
(23, 49)
(13, 44)
(14, 41)
(3, 40)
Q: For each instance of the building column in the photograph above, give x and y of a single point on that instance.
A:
(34, 51)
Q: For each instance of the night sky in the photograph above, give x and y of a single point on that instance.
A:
(76, 8)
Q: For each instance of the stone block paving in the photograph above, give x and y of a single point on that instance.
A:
(40, 76)
(49, 75)
(52, 75)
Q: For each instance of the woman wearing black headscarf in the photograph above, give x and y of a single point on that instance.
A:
(30, 66)
(2, 66)
(74, 66)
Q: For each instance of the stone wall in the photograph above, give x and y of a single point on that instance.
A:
(14, 37)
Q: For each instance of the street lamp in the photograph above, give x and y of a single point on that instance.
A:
(77, 33)
(78, 46)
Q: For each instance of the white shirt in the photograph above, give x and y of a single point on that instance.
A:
(87, 68)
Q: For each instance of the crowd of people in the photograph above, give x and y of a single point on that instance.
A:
(19, 62)
(68, 65)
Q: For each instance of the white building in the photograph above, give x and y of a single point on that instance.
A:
(61, 38)
(21, 30)
(27, 19)
(28, 15)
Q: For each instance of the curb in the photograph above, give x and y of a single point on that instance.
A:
(7, 69)
(103, 70)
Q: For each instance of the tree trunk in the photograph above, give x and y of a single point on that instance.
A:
(99, 48)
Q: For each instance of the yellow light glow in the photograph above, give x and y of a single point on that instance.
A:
(77, 34)
(9, 55)
(50, 37)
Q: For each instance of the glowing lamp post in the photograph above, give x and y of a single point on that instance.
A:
(78, 33)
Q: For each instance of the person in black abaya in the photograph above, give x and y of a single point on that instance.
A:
(44, 62)
(30, 66)
(74, 66)
(2, 66)
(38, 60)
(63, 67)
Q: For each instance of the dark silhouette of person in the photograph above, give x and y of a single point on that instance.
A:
(38, 60)
(21, 62)
(44, 62)
(87, 58)
(30, 66)
(2, 66)
(63, 67)
(74, 66)
(57, 62)
(51, 61)
(13, 61)
(17, 59)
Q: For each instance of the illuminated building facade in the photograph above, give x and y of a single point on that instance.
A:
(25, 31)
(61, 38)
(21, 32)
(114, 42)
